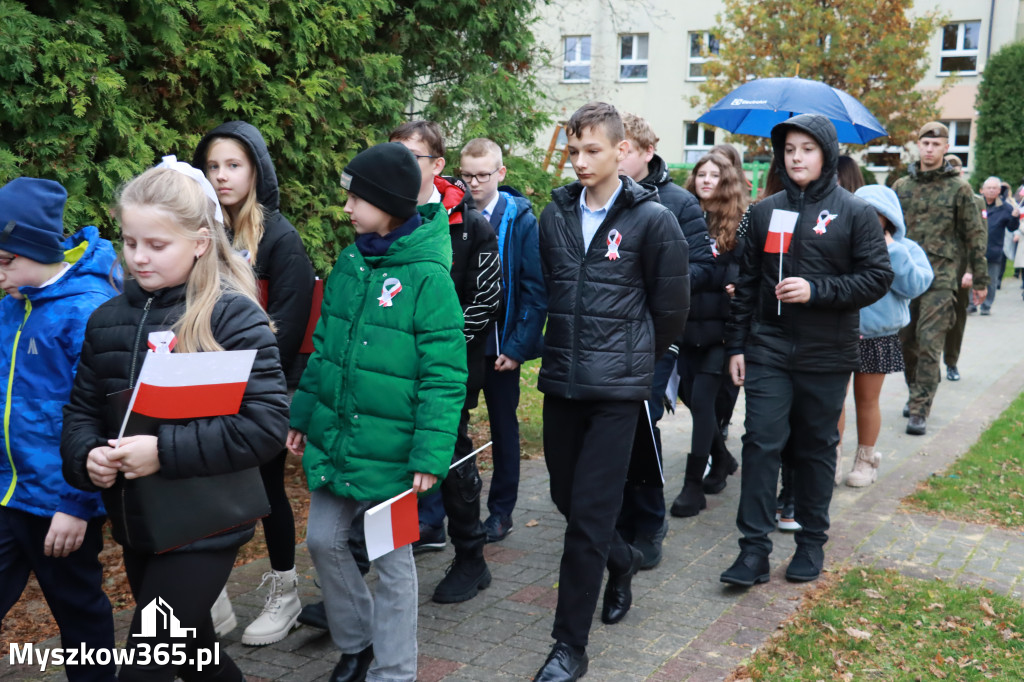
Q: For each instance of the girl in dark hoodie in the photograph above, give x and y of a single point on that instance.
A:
(813, 256)
(235, 159)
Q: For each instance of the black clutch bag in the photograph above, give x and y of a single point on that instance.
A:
(157, 514)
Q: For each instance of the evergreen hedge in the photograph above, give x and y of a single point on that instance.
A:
(95, 91)
(999, 138)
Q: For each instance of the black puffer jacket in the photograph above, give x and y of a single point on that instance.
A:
(608, 320)
(709, 309)
(112, 354)
(282, 267)
(846, 262)
(686, 208)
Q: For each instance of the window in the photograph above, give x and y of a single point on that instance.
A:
(576, 65)
(960, 47)
(699, 141)
(883, 157)
(703, 48)
(633, 58)
(960, 139)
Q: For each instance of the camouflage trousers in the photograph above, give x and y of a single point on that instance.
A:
(955, 338)
(932, 316)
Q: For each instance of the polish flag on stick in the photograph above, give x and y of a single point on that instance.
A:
(395, 523)
(177, 386)
(780, 234)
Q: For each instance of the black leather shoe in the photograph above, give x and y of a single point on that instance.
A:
(749, 569)
(916, 426)
(650, 546)
(565, 664)
(806, 565)
(314, 615)
(952, 374)
(618, 593)
(353, 667)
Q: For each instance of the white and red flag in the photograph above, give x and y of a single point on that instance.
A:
(780, 231)
(181, 386)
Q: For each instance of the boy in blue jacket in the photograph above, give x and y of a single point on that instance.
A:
(46, 526)
(516, 336)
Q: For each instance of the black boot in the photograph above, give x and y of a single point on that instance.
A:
(723, 465)
(691, 500)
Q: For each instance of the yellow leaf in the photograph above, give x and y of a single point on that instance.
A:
(986, 607)
(532, 522)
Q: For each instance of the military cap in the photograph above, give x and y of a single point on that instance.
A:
(933, 129)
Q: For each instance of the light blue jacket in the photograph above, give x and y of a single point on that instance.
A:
(40, 341)
(913, 272)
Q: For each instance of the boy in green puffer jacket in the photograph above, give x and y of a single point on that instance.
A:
(377, 408)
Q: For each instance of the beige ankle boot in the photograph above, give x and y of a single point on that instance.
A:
(865, 467)
(839, 464)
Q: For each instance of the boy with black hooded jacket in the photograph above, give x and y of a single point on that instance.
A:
(615, 264)
(813, 257)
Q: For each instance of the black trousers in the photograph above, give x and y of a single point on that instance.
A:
(279, 525)
(802, 408)
(188, 583)
(587, 446)
(460, 493)
(72, 585)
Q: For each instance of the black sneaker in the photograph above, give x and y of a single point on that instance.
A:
(916, 425)
(749, 569)
(463, 579)
(497, 527)
(432, 539)
(806, 565)
(952, 374)
(650, 546)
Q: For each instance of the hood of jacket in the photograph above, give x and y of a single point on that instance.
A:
(431, 241)
(824, 133)
(267, 192)
(568, 197)
(657, 172)
(885, 201)
(93, 266)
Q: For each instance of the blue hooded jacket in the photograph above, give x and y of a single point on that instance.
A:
(913, 272)
(40, 341)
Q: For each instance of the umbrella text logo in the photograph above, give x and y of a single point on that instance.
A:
(737, 102)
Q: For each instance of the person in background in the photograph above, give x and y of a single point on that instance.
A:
(1002, 217)
(955, 337)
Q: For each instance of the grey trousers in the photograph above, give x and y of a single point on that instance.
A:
(356, 617)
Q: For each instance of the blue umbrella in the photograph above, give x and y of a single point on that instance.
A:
(755, 107)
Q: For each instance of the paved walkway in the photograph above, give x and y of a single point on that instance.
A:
(685, 624)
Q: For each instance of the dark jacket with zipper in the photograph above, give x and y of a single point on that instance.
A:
(837, 246)
(283, 271)
(709, 309)
(609, 320)
(476, 272)
(112, 355)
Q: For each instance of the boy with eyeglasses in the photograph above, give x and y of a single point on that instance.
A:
(476, 272)
(516, 335)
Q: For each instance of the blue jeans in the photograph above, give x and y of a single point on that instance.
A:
(357, 618)
(995, 274)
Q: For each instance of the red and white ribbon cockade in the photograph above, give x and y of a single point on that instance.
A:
(391, 288)
(614, 239)
(162, 342)
(824, 218)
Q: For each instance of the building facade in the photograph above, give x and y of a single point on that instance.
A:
(646, 57)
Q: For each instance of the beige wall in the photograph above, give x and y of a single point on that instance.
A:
(664, 98)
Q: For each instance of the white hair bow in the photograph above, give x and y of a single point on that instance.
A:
(171, 161)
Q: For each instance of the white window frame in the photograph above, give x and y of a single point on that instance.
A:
(634, 61)
(958, 149)
(881, 149)
(578, 61)
(960, 51)
(705, 37)
(692, 153)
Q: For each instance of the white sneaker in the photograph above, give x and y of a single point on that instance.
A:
(280, 612)
(223, 614)
(865, 467)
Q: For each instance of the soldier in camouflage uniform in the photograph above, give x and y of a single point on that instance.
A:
(955, 337)
(942, 217)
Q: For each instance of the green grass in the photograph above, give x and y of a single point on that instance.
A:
(530, 417)
(880, 625)
(986, 484)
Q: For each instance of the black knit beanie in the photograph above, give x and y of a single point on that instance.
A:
(387, 176)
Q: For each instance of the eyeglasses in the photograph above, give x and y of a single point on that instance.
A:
(481, 178)
(424, 156)
(5, 261)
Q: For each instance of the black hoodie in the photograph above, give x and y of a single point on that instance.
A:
(282, 267)
(837, 246)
